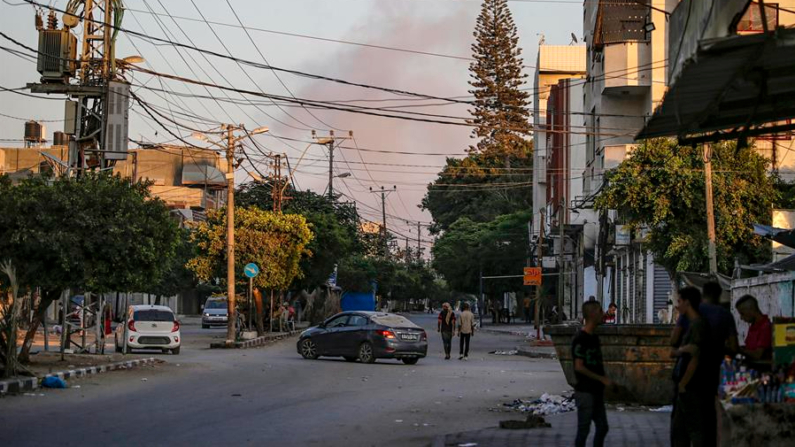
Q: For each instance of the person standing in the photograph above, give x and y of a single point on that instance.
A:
(446, 325)
(589, 373)
(694, 416)
(466, 329)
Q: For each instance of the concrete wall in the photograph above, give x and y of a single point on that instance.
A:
(775, 293)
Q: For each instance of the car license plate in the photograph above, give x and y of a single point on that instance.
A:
(410, 337)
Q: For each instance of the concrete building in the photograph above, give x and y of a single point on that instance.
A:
(185, 178)
(626, 80)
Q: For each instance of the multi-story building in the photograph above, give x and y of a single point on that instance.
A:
(185, 178)
(626, 80)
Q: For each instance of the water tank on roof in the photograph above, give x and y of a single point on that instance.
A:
(60, 139)
(34, 132)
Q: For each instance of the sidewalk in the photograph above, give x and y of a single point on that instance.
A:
(627, 428)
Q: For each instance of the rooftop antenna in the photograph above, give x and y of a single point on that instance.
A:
(573, 39)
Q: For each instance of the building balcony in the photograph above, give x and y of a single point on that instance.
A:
(621, 73)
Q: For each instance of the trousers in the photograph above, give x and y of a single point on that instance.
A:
(464, 344)
(447, 340)
(590, 407)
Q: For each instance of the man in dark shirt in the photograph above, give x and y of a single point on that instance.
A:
(446, 325)
(693, 420)
(589, 373)
(723, 329)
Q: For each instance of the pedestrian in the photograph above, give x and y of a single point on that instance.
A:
(526, 307)
(694, 415)
(759, 340)
(466, 329)
(589, 373)
(446, 325)
(610, 316)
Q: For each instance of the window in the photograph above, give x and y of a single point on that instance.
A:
(752, 20)
(153, 315)
(392, 320)
(215, 304)
(357, 320)
(338, 322)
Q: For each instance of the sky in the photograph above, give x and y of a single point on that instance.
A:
(433, 26)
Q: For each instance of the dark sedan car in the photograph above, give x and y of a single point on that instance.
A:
(365, 336)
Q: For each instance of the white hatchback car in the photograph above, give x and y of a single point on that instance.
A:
(149, 327)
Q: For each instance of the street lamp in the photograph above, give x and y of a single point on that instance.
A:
(231, 143)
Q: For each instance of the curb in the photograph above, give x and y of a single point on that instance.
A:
(32, 383)
(253, 343)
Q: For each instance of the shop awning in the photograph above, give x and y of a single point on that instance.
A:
(193, 174)
(780, 235)
(738, 85)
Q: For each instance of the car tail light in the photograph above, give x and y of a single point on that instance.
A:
(131, 325)
(176, 327)
(424, 336)
(388, 334)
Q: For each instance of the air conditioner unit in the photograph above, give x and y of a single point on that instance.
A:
(57, 55)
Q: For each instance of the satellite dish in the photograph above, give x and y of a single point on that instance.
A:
(573, 38)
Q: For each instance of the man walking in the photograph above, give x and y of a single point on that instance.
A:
(526, 307)
(446, 325)
(693, 419)
(466, 329)
(589, 372)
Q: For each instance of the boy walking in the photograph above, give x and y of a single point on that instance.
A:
(466, 329)
(446, 325)
(589, 372)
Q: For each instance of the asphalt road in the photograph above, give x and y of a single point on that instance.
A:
(272, 397)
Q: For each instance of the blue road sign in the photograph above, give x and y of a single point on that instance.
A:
(251, 270)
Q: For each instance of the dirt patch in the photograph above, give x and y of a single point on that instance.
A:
(532, 421)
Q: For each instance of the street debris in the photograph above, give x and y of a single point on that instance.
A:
(500, 352)
(144, 379)
(53, 382)
(544, 406)
(468, 444)
(663, 409)
(398, 420)
(532, 421)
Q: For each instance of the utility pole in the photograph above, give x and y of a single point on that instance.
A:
(561, 257)
(384, 192)
(713, 261)
(406, 254)
(540, 263)
(329, 142)
(419, 250)
(276, 190)
(230, 236)
(228, 130)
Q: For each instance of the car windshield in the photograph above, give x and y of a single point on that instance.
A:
(153, 315)
(392, 320)
(215, 304)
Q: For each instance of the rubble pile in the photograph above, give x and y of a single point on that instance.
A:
(545, 405)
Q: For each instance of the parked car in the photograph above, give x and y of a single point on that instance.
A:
(149, 327)
(215, 312)
(365, 336)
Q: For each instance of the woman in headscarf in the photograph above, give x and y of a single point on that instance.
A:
(446, 325)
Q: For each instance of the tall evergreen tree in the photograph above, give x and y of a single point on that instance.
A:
(501, 113)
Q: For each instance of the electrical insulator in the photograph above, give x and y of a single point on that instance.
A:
(52, 21)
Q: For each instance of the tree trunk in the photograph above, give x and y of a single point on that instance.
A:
(47, 298)
(260, 313)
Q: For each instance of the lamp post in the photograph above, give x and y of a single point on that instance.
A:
(231, 143)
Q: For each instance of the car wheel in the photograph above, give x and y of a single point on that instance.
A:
(350, 359)
(366, 354)
(128, 350)
(175, 351)
(308, 349)
(410, 361)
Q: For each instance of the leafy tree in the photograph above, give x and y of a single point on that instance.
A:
(496, 248)
(176, 277)
(479, 188)
(275, 242)
(97, 233)
(660, 186)
(334, 226)
(501, 116)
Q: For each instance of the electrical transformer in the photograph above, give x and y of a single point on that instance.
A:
(57, 60)
(116, 131)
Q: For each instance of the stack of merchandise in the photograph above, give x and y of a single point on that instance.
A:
(740, 385)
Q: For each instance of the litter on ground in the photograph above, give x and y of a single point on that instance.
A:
(545, 405)
(510, 352)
